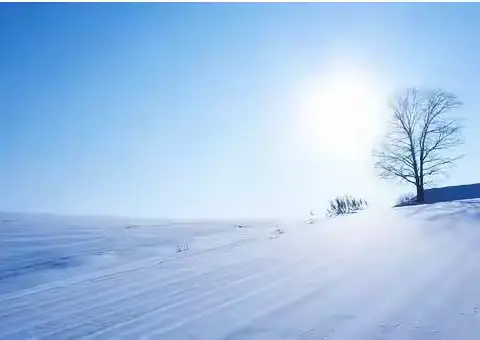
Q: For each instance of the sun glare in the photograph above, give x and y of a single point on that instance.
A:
(340, 114)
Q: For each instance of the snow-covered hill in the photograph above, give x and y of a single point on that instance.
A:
(409, 273)
(452, 193)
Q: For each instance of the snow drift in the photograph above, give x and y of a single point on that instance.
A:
(409, 273)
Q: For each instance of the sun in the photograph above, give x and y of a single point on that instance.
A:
(339, 113)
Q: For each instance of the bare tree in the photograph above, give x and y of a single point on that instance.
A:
(419, 138)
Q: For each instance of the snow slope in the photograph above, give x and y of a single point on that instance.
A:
(409, 273)
(451, 193)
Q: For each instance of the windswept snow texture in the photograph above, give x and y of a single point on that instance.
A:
(410, 273)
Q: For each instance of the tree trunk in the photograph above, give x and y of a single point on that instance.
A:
(420, 194)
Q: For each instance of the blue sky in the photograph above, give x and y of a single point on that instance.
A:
(189, 110)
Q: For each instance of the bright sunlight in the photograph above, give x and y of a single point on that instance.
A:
(339, 114)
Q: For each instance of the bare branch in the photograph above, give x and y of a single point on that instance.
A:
(419, 133)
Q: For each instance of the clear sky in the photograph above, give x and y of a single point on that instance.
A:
(217, 110)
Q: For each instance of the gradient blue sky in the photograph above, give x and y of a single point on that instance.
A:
(185, 110)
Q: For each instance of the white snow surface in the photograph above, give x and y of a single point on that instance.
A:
(407, 273)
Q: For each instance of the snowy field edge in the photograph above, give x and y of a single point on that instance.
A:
(406, 273)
